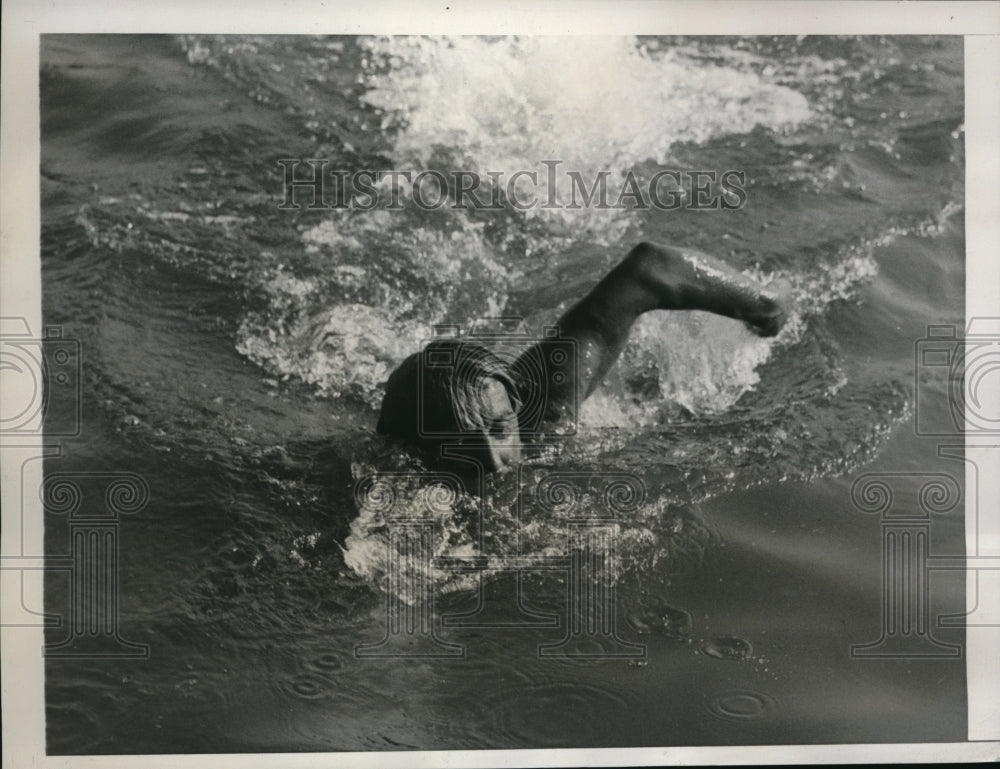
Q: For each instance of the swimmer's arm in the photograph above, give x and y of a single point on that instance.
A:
(651, 277)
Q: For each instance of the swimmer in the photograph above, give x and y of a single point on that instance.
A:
(472, 410)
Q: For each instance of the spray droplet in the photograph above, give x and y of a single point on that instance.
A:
(728, 648)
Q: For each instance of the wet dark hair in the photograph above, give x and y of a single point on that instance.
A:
(435, 394)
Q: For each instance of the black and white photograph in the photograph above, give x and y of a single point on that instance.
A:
(528, 391)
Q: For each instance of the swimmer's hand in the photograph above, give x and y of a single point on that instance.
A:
(772, 311)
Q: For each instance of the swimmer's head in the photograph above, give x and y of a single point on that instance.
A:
(455, 397)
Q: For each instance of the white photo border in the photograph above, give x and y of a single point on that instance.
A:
(20, 295)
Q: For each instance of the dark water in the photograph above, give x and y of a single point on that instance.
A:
(233, 356)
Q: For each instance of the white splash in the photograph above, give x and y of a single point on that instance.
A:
(593, 102)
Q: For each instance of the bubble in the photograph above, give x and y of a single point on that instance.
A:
(328, 663)
(307, 686)
(592, 715)
(664, 620)
(741, 705)
(727, 648)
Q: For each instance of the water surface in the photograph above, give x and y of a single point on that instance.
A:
(234, 356)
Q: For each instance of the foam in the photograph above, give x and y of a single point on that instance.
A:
(383, 285)
(705, 363)
(502, 105)
(449, 522)
(597, 104)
